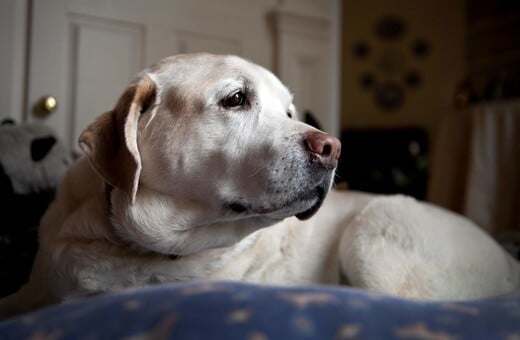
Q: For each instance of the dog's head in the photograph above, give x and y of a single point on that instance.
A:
(204, 149)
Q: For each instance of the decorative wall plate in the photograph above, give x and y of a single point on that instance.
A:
(390, 27)
(421, 48)
(361, 50)
(389, 95)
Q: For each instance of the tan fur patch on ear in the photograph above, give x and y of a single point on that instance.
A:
(110, 143)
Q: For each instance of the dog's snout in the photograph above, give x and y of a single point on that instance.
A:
(323, 147)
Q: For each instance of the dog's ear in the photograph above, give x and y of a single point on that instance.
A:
(110, 143)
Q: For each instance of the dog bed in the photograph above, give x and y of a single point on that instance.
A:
(225, 310)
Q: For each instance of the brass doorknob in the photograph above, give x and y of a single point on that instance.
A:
(45, 106)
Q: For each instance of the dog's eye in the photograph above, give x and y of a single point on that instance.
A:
(235, 100)
(289, 114)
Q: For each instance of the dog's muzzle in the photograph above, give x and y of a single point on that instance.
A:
(324, 150)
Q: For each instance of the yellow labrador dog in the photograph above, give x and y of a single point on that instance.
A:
(200, 154)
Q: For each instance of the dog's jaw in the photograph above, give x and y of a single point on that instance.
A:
(155, 224)
(303, 205)
(159, 224)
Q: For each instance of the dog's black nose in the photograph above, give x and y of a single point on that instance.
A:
(323, 147)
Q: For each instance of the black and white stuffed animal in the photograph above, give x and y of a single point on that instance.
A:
(32, 163)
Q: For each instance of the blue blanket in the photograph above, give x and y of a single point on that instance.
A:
(224, 310)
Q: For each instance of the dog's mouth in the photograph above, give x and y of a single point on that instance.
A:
(311, 202)
(320, 197)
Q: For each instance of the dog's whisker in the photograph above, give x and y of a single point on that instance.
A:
(258, 170)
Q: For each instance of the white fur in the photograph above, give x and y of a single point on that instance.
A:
(195, 158)
(400, 246)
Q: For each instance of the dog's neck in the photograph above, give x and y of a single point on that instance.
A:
(108, 204)
(157, 223)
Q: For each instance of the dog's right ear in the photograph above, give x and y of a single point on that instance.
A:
(110, 143)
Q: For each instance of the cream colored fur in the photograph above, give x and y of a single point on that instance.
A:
(177, 185)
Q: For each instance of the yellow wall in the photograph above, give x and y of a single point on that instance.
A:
(442, 23)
